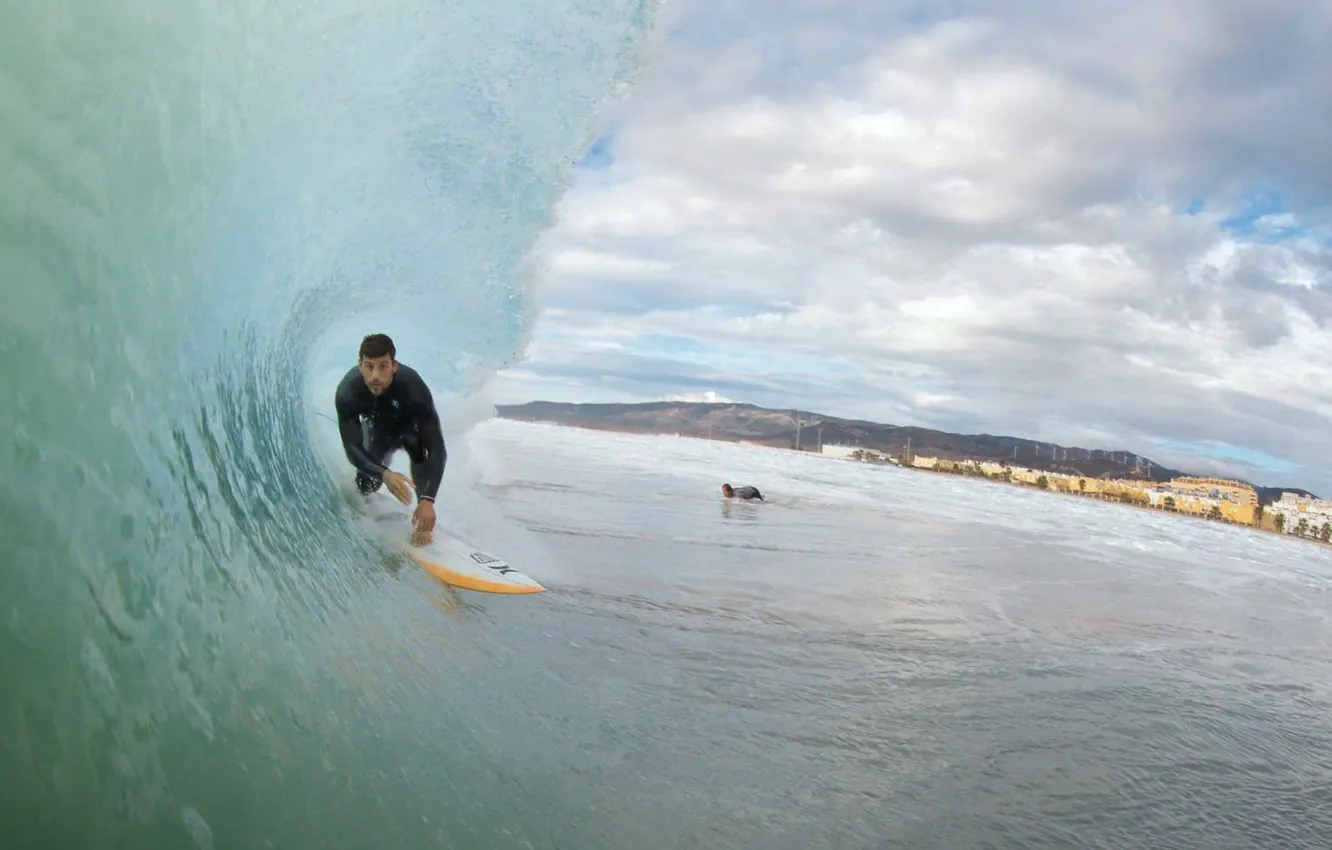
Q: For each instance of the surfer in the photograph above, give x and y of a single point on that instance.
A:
(399, 413)
(745, 492)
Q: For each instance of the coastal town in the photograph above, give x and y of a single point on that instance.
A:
(1216, 499)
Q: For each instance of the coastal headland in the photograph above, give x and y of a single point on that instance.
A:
(1105, 474)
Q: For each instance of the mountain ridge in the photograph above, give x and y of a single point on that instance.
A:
(742, 421)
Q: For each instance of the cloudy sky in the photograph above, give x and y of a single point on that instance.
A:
(1100, 224)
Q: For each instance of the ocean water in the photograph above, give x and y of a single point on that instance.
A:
(885, 658)
(205, 206)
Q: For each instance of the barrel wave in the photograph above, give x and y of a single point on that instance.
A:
(205, 205)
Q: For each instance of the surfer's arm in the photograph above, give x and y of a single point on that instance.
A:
(428, 474)
(353, 441)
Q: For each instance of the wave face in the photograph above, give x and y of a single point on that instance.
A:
(205, 205)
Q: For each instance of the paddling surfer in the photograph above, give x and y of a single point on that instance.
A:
(399, 413)
(747, 493)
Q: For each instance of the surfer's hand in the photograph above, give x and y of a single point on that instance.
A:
(424, 520)
(399, 486)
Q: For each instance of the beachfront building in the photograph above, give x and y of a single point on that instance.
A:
(859, 453)
(1303, 516)
(1223, 509)
(1209, 498)
(1156, 495)
(1217, 489)
(1303, 504)
(1190, 500)
(967, 466)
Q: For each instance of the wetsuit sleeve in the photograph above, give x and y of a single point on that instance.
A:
(427, 475)
(353, 438)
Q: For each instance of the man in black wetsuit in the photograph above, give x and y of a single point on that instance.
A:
(399, 413)
(745, 492)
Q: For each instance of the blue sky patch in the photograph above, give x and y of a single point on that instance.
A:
(1224, 451)
(672, 343)
(599, 156)
(1259, 220)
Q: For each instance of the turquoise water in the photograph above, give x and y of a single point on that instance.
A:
(203, 205)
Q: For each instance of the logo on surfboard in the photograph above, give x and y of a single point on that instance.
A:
(494, 563)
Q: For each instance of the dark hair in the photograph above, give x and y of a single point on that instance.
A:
(377, 345)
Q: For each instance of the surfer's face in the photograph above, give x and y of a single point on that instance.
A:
(378, 372)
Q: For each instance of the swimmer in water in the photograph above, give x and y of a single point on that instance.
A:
(747, 493)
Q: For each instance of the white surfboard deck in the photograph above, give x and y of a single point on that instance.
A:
(449, 559)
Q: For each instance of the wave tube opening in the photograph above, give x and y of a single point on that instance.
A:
(205, 206)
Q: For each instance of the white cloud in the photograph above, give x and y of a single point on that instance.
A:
(575, 262)
(709, 397)
(972, 223)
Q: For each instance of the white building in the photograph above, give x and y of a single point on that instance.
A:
(856, 452)
(1294, 507)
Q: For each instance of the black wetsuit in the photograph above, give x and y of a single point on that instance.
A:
(403, 417)
(747, 492)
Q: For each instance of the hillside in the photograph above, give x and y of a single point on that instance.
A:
(735, 422)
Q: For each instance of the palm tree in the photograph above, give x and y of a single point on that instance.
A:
(1280, 523)
(1043, 483)
(1169, 503)
(1082, 485)
(1325, 532)
(1215, 512)
(1302, 526)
